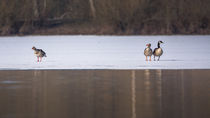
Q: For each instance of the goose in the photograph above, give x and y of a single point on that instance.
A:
(39, 53)
(158, 51)
(148, 52)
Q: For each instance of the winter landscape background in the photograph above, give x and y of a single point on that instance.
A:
(95, 65)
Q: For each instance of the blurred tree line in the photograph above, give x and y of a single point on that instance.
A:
(104, 17)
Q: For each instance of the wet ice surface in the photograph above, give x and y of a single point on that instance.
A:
(104, 52)
(105, 94)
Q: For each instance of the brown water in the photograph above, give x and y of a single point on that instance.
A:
(105, 94)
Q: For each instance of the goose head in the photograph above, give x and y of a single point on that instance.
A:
(33, 48)
(160, 42)
(148, 45)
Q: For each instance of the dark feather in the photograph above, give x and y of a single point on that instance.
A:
(43, 53)
(154, 50)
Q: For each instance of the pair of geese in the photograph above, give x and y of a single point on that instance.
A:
(157, 51)
(147, 52)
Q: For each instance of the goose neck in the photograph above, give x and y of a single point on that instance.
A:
(158, 45)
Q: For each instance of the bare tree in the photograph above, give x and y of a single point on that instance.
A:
(36, 9)
(44, 6)
(92, 7)
(167, 17)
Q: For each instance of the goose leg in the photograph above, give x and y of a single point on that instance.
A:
(37, 59)
(40, 59)
(146, 58)
(149, 58)
(154, 58)
(158, 58)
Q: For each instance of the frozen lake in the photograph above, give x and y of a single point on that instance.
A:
(104, 52)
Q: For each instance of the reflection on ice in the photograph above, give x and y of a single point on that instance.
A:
(105, 94)
(10, 82)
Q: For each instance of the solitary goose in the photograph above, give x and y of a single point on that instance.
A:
(39, 53)
(158, 51)
(148, 52)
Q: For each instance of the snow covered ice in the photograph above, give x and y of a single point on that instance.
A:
(104, 52)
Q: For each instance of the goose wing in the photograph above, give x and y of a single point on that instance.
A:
(145, 51)
(42, 52)
(155, 50)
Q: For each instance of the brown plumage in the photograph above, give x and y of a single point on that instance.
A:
(148, 51)
(39, 53)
